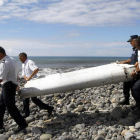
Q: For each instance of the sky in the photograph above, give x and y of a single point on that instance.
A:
(68, 27)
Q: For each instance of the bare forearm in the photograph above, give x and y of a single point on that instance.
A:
(25, 77)
(136, 71)
(34, 72)
(125, 62)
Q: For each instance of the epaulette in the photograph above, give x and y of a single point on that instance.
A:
(3, 61)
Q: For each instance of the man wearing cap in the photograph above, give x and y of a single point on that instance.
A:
(133, 59)
(135, 86)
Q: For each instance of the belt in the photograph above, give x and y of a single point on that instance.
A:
(8, 82)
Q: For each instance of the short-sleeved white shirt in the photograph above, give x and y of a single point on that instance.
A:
(28, 67)
(139, 58)
(8, 70)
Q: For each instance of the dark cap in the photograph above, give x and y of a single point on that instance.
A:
(132, 37)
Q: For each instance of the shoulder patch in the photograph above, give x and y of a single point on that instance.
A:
(3, 61)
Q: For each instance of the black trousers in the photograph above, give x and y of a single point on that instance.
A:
(7, 100)
(38, 102)
(135, 88)
(126, 89)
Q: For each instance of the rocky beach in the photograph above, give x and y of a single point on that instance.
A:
(88, 114)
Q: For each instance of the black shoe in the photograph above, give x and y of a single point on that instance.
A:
(2, 129)
(50, 111)
(25, 115)
(135, 107)
(20, 128)
(124, 102)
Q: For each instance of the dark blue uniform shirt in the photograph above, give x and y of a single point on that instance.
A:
(134, 56)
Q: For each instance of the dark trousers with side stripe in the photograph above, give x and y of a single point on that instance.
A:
(126, 89)
(7, 100)
(135, 89)
(36, 101)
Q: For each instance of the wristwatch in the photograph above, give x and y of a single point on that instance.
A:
(136, 72)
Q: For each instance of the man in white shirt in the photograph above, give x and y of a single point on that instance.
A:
(29, 70)
(8, 80)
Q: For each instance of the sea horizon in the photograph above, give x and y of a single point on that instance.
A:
(74, 56)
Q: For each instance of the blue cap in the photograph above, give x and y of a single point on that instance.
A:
(132, 37)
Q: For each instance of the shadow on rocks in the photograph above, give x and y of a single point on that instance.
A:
(79, 121)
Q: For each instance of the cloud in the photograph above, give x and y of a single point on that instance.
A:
(25, 1)
(68, 34)
(76, 12)
(63, 48)
(13, 31)
(74, 34)
(2, 2)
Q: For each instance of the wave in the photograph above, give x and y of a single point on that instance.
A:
(49, 71)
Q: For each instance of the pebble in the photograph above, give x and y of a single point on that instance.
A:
(128, 135)
(45, 137)
(137, 125)
(3, 137)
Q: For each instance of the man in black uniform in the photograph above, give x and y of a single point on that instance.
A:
(8, 80)
(133, 59)
(135, 86)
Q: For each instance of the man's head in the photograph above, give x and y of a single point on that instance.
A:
(2, 53)
(132, 40)
(22, 57)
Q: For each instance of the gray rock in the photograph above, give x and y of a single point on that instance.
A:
(108, 137)
(14, 136)
(119, 137)
(66, 138)
(127, 121)
(117, 113)
(137, 133)
(97, 92)
(80, 126)
(101, 132)
(49, 96)
(78, 103)
(29, 119)
(28, 139)
(37, 130)
(112, 128)
(128, 135)
(99, 138)
(80, 108)
(9, 133)
(45, 137)
(71, 106)
(3, 137)
(137, 125)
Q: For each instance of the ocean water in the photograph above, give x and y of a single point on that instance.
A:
(50, 65)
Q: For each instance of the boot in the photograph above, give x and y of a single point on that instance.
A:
(20, 128)
(136, 106)
(124, 102)
(2, 129)
(50, 110)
